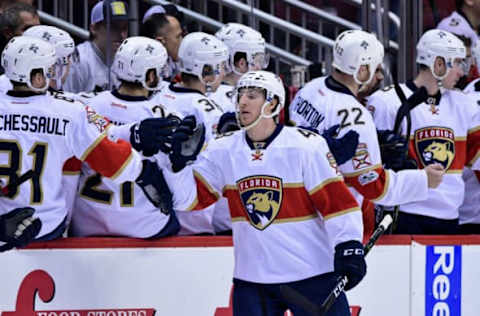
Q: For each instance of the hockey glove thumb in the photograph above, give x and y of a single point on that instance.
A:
(187, 142)
(349, 260)
(153, 184)
(344, 148)
(227, 123)
(18, 228)
(153, 134)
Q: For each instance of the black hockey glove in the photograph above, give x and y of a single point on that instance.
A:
(153, 134)
(18, 228)
(350, 261)
(227, 123)
(187, 142)
(394, 151)
(153, 184)
(344, 148)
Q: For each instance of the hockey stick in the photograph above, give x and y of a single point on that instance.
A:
(4, 191)
(418, 97)
(294, 297)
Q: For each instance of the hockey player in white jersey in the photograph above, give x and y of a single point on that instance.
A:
(104, 208)
(40, 132)
(445, 130)
(328, 101)
(64, 47)
(246, 48)
(203, 58)
(469, 211)
(304, 217)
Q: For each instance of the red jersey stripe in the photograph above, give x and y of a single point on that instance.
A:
(206, 196)
(72, 166)
(459, 161)
(473, 145)
(374, 190)
(295, 203)
(119, 154)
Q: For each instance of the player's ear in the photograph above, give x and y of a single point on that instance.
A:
(161, 39)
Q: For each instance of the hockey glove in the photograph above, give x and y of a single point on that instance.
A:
(344, 148)
(18, 228)
(153, 134)
(153, 184)
(187, 142)
(350, 261)
(227, 123)
(394, 151)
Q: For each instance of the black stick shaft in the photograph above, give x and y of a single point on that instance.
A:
(338, 289)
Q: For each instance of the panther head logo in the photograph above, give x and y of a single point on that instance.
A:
(435, 145)
(440, 152)
(262, 197)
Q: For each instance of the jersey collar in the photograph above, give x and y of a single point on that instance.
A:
(23, 94)
(264, 144)
(334, 85)
(178, 89)
(432, 99)
(129, 98)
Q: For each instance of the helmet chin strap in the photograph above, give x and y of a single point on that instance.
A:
(439, 78)
(372, 73)
(260, 116)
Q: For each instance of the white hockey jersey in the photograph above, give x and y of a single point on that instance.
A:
(5, 84)
(323, 103)
(446, 131)
(111, 209)
(223, 97)
(190, 102)
(39, 133)
(89, 73)
(289, 205)
(469, 211)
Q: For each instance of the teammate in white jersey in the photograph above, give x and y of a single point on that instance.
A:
(445, 130)
(104, 208)
(203, 58)
(39, 132)
(328, 101)
(298, 225)
(246, 48)
(469, 211)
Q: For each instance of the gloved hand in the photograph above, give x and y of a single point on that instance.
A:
(227, 123)
(343, 149)
(187, 142)
(18, 228)
(394, 151)
(153, 184)
(349, 260)
(153, 134)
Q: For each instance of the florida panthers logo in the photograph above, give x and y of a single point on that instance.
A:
(262, 198)
(435, 145)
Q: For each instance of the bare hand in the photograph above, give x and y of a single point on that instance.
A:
(435, 174)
